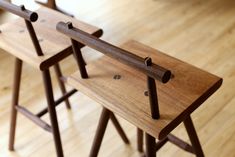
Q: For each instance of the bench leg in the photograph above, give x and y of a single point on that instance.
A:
(119, 128)
(193, 137)
(140, 138)
(103, 122)
(150, 146)
(52, 4)
(15, 101)
(52, 112)
(61, 83)
(100, 132)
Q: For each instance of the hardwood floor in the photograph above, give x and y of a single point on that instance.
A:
(197, 31)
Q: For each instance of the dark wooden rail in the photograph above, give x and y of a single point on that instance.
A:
(152, 70)
(19, 10)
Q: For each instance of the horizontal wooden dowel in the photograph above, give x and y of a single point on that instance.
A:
(19, 10)
(154, 71)
(34, 118)
(57, 102)
(181, 144)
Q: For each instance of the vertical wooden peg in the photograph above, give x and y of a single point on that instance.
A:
(152, 92)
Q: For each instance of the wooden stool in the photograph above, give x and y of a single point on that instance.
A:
(129, 90)
(40, 51)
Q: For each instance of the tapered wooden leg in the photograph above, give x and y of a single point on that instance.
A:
(100, 132)
(140, 139)
(15, 100)
(61, 83)
(119, 128)
(50, 4)
(150, 146)
(193, 137)
(52, 112)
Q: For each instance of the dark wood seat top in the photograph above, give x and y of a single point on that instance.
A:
(15, 39)
(186, 91)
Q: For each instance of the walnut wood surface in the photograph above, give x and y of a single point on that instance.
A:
(15, 39)
(186, 91)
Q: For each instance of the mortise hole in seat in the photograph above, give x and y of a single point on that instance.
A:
(146, 93)
(117, 77)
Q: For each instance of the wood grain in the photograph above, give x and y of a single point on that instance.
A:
(188, 89)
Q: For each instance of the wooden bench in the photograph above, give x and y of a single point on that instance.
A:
(127, 92)
(40, 46)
